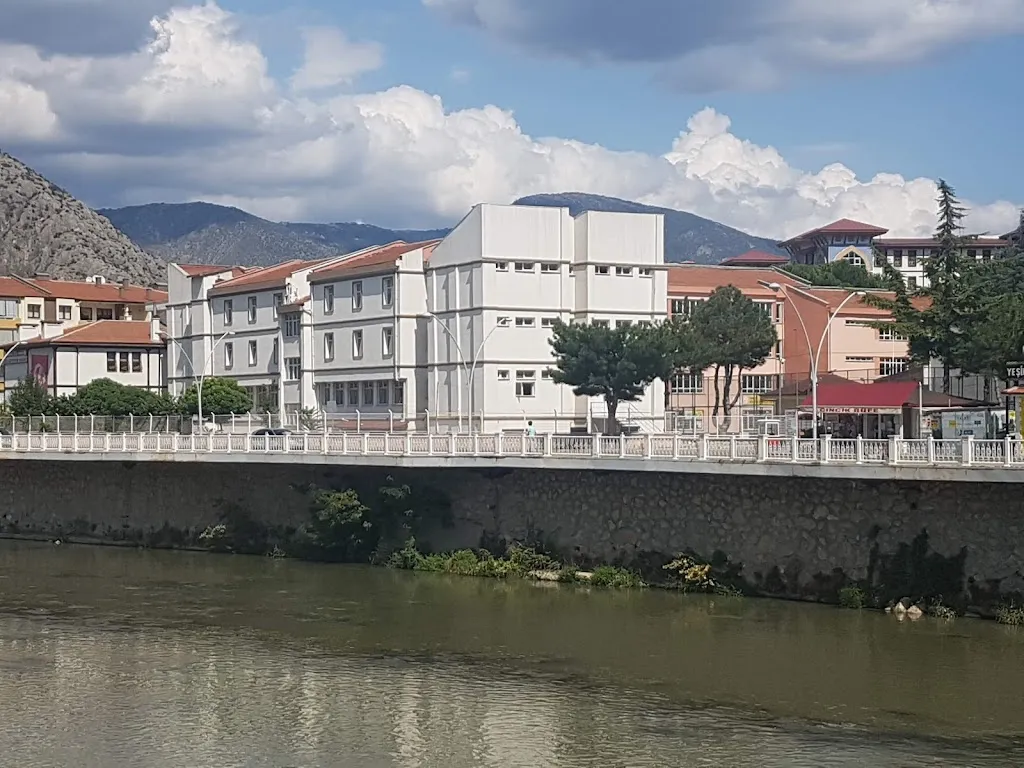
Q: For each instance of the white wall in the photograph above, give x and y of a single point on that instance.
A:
(73, 367)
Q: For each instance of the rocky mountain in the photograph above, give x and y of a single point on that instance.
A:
(44, 229)
(688, 237)
(202, 233)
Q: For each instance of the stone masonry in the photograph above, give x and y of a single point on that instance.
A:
(795, 525)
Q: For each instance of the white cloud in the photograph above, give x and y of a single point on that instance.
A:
(730, 44)
(332, 59)
(194, 114)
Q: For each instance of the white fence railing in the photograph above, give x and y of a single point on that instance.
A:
(894, 451)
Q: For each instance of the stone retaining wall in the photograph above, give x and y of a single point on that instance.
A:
(796, 530)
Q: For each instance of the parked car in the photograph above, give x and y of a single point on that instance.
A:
(271, 431)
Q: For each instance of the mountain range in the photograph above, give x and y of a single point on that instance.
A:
(44, 229)
(203, 233)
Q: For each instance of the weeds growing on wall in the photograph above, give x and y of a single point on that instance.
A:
(853, 597)
(1010, 614)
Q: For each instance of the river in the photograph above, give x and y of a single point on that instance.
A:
(116, 658)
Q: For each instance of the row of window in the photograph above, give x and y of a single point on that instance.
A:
(387, 343)
(229, 353)
(119, 362)
(387, 295)
(35, 312)
(361, 393)
(750, 384)
(685, 308)
(554, 267)
(884, 334)
(526, 381)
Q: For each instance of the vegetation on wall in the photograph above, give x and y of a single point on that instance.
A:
(839, 274)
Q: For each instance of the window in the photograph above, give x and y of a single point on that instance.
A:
(383, 392)
(253, 352)
(525, 384)
(398, 392)
(357, 295)
(972, 253)
(273, 353)
(754, 383)
(623, 323)
(229, 354)
(278, 301)
(623, 271)
(765, 308)
(291, 324)
(387, 291)
(855, 359)
(357, 345)
(524, 266)
(524, 322)
(339, 393)
(911, 282)
(546, 374)
(601, 323)
(111, 362)
(889, 334)
(687, 384)
(897, 257)
(86, 313)
(329, 299)
(546, 267)
(912, 258)
(136, 362)
(684, 307)
(328, 346)
(229, 312)
(751, 418)
(600, 270)
(8, 308)
(645, 271)
(251, 308)
(387, 338)
(855, 259)
(986, 254)
(367, 393)
(292, 368)
(504, 321)
(503, 376)
(34, 311)
(65, 312)
(889, 366)
(501, 266)
(353, 393)
(122, 362)
(104, 314)
(547, 322)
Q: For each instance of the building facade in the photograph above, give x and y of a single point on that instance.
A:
(128, 352)
(866, 245)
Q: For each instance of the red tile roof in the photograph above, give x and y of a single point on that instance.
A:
(752, 258)
(842, 226)
(110, 293)
(104, 333)
(881, 394)
(204, 270)
(262, 279)
(701, 279)
(19, 288)
(384, 256)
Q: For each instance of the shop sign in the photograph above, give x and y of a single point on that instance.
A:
(851, 409)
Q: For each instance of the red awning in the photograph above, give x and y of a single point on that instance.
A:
(853, 397)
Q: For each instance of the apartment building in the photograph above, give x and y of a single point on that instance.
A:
(369, 316)
(495, 287)
(130, 352)
(859, 243)
(754, 397)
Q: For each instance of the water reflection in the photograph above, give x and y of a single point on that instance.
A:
(111, 658)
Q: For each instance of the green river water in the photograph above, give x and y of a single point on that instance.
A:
(115, 658)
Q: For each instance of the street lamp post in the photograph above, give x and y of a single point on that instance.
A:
(815, 360)
(202, 375)
(462, 362)
(469, 367)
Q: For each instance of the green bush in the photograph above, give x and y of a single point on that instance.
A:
(615, 577)
(1010, 614)
(852, 597)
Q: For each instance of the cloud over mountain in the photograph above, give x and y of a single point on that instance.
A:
(193, 112)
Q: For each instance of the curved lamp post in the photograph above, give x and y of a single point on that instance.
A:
(778, 287)
(202, 374)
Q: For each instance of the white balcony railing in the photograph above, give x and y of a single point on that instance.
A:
(895, 451)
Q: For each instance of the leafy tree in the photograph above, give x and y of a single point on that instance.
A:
(30, 398)
(728, 333)
(616, 364)
(109, 398)
(838, 273)
(220, 395)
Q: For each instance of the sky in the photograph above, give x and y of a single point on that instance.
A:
(772, 117)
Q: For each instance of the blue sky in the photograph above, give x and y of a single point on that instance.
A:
(880, 92)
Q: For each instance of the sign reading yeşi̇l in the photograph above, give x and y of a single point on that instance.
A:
(1015, 370)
